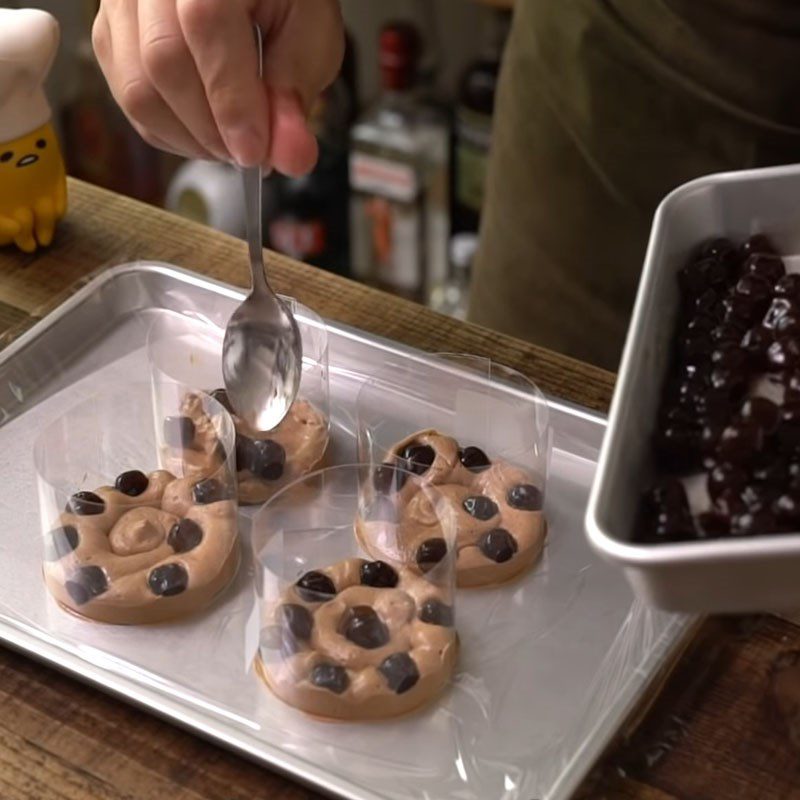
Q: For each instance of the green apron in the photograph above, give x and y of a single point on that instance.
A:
(603, 108)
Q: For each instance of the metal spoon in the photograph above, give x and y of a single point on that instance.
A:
(262, 352)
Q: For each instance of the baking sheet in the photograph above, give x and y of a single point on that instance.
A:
(550, 666)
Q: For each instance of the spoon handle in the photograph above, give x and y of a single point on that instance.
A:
(252, 182)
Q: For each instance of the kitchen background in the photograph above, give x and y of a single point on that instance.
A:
(404, 136)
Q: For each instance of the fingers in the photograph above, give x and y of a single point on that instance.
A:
(115, 36)
(60, 198)
(44, 220)
(168, 64)
(219, 35)
(24, 238)
(293, 148)
(303, 56)
(9, 229)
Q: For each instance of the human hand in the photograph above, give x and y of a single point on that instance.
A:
(185, 73)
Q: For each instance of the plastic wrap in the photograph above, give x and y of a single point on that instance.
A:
(549, 665)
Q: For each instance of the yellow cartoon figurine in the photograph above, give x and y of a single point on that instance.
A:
(33, 185)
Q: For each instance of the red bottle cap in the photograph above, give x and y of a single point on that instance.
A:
(398, 51)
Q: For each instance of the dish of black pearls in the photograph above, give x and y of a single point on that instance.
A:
(359, 640)
(150, 548)
(266, 461)
(494, 507)
(727, 444)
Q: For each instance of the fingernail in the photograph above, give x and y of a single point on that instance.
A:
(245, 145)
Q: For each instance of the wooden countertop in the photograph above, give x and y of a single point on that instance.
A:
(711, 733)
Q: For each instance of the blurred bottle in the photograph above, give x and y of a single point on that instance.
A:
(100, 145)
(452, 296)
(473, 128)
(399, 178)
(309, 221)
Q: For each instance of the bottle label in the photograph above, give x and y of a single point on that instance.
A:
(472, 155)
(382, 177)
(300, 239)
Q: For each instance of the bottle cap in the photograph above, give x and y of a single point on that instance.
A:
(398, 53)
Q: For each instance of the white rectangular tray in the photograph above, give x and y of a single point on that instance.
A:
(550, 666)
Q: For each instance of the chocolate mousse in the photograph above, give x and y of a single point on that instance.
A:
(495, 507)
(266, 461)
(359, 640)
(144, 550)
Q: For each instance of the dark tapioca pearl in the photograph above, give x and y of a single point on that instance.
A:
(480, 507)
(727, 379)
(221, 396)
(739, 310)
(85, 584)
(498, 545)
(740, 442)
(788, 325)
(363, 627)
(719, 248)
(730, 502)
(726, 477)
(315, 587)
(179, 431)
(331, 677)
(208, 491)
(701, 324)
(754, 522)
(430, 553)
(786, 508)
(664, 513)
(781, 306)
(713, 523)
(710, 436)
(679, 446)
(762, 412)
(755, 343)
(378, 573)
(184, 536)
(243, 445)
(400, 672)
(387, 479)
(474, 459)
(708, 303)
(770, 468)
(758, 243)
(381, 509)
(791, 383)
(758, 497)
(168, 580)
(729, 355)
(789, 287)
(132, 483)
(85, 504)
(297, 619)
(435, 612)
(60, 542)
(755, 287)
(526, 497)
(697, 346)
(267, 459)
(765, 265)
(784, 353)
(417, 458)
(789, 431)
